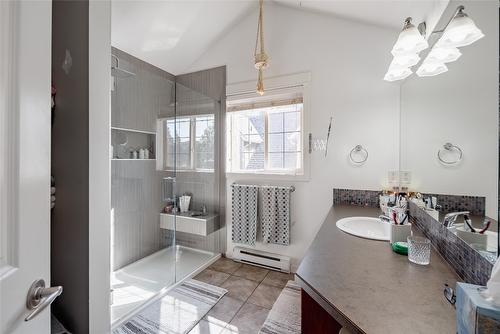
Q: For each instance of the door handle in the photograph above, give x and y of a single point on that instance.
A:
(39, 297)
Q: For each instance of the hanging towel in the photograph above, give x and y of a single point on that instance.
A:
(275, 214)
(244, 214)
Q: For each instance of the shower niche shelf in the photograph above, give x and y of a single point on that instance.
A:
(200, 225)
(125, 141)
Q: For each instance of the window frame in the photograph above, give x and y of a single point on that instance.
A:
(299, 82)
(234, 154)
(192, 145)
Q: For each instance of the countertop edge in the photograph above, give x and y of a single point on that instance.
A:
(328, 307)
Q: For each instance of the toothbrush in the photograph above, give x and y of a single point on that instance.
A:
(395, 217)
(488, 223)
(404, 219)
(467, 221)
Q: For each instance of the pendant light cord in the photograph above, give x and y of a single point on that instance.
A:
(260, 30)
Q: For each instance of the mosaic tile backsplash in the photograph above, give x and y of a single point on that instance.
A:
(453, 203)
(449, 203)
(471, 266)
(356, 197)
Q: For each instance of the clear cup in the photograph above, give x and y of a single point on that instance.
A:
(419, 250)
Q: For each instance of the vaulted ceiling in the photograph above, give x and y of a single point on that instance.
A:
(174, 34)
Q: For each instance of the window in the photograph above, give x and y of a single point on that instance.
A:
(188, 143)
(266, 136)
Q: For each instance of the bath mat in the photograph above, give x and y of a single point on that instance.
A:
(285, 316)
(175, 313)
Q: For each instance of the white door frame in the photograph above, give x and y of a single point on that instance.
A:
(99, 165)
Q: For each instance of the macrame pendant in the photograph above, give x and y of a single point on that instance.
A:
(259, 53)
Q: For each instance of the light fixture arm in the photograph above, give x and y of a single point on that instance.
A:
(458, 12)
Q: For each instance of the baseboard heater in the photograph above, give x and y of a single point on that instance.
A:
(262, 259)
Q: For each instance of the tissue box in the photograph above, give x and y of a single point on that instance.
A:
(474, 314)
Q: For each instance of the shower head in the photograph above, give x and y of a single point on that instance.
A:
(118, 72)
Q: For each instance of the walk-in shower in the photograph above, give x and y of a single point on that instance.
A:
(167, 178)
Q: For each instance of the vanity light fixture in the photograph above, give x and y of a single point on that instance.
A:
(410, 41)
(459, 31)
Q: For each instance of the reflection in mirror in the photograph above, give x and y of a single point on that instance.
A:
(449, 133)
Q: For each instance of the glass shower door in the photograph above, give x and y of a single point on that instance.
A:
(197, 180)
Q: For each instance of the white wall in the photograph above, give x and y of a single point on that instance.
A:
(461, 107)
(347, 62)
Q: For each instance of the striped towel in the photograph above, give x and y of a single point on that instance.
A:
(285, 316)
(244, 214)
(275, 214)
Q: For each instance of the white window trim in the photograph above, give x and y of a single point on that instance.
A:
(276, 85)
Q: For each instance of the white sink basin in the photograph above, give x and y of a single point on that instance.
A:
(365, 227)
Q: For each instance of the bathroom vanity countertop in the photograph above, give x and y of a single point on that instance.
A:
(368, 288)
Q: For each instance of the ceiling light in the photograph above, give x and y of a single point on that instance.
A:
(394, 74)
(409, 41)
(404, 61)
(443, 55)
(428, 69)
(461, 31)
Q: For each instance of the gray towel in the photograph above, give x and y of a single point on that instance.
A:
(275, 214)
(244, 214)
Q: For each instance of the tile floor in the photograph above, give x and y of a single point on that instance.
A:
(251, 294)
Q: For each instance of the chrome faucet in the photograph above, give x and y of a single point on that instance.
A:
(450, 218)
(384, 218)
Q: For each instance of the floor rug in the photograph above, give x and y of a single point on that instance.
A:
(177, 312)
(284, 317)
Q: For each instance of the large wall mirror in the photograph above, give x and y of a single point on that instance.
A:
(450, 127)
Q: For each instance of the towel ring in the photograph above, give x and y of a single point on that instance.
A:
(450, 147)
(357, 149)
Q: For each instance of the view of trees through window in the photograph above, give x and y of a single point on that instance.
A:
(266, 139)
(190, 143)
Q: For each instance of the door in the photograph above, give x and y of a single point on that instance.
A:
(25, 67)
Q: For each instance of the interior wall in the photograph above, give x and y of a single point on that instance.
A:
(459, 106)
(70, 164)
(347, 61)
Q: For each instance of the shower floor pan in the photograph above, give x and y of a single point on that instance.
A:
(137, 282)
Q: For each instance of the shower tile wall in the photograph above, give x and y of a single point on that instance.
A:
(136, 104)
(135, 207)
(137, 101)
